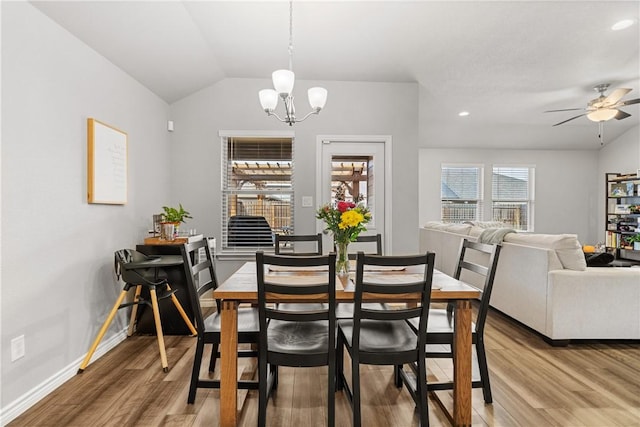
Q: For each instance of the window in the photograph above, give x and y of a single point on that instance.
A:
(512, 196)
(257, 192)
(461, 193)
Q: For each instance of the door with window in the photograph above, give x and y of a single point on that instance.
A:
(354, 170)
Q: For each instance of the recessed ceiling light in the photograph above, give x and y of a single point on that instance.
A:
(621, 25)
(463, 113)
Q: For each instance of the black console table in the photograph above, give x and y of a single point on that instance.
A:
(172, 322)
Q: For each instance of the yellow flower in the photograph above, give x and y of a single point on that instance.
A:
(350, 218)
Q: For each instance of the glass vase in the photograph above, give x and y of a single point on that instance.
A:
(342, 258)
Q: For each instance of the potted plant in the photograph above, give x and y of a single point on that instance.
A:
(175, 216)
(635, 240)
(172, 218)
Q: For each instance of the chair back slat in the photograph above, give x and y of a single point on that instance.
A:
(361, 241)
(488, 272)
(198, 284)
(293, 238)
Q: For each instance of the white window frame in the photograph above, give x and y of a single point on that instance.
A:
(224, 251)
(478, 200)
(528, 201)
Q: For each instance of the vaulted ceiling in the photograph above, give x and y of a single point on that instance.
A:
(505, 62)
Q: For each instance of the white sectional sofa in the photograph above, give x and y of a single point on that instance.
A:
(543, 282)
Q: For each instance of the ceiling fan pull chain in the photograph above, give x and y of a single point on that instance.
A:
(601, 132)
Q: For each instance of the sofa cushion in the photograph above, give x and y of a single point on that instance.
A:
(458, 228)
(450, 227)
(476, 231)
(487, 224)
(567, 247)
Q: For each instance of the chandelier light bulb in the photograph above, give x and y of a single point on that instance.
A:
(317, 97)
(283, 81)
(268, 99)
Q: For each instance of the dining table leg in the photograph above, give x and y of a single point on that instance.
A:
(229, 364)
(462, 365)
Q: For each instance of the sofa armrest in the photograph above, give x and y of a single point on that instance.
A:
(446, 246)
(520, 285)
(598, 303)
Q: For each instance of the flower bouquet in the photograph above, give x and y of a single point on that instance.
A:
(346, 221)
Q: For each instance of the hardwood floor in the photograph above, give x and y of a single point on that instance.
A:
(585, 384)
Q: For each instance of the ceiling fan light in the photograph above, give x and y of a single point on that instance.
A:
(283, 81)
(268, 99)
(317, 97)
(602, 115)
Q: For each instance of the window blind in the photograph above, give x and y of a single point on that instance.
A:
(257, 194)
(512, 196)
(461, 193)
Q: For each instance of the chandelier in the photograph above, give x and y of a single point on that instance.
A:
(283, 81)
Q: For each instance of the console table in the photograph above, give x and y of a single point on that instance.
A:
(172, 322)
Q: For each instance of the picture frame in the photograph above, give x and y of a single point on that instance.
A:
(619, 190)
(106, 164)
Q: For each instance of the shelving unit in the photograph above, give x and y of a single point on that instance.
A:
(622, 213)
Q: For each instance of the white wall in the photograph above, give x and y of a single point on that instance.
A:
(565, 181)
(621, 155)
(57, 250)
(353, 108)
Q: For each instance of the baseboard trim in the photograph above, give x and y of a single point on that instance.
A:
(33, 396)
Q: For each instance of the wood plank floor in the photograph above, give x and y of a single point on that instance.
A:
(585, 384)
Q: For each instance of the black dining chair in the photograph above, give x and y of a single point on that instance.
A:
(383, 336)
(135, 269)
(440, 329)
(201, 280)
(366, 241)
(285, 244)
(300, 337)
(344, 310)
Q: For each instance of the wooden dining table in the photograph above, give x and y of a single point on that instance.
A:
(241, 287)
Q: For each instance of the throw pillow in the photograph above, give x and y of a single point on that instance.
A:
(567, 247)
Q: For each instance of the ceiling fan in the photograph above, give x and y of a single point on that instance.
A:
(603, 108)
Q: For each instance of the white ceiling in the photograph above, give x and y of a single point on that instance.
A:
(504, 61)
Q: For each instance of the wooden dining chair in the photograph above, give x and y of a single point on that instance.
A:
(383, 336)
(440, 329)
(300, 337)
(201, 282)
(285, 244)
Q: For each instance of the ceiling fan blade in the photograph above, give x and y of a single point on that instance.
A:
(621, 115)
(568, 120)
(629, 102)
(566, 109)
(615, 96)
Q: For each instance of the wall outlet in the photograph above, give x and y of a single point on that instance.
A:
(17, 348)
(307, 201)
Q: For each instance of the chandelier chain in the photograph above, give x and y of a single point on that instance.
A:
(291, 35)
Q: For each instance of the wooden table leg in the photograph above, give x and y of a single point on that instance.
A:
(462, 365)
(229, 364)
